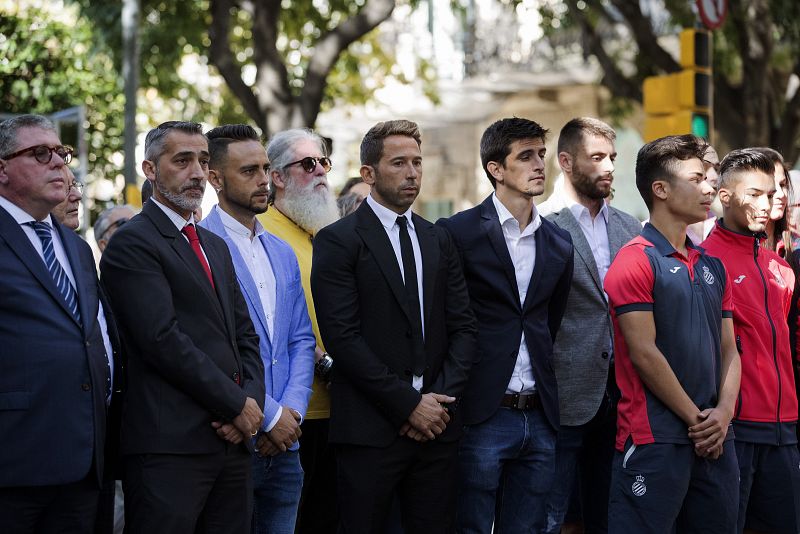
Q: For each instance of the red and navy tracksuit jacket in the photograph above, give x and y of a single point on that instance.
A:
(688, 296)
(762, 283)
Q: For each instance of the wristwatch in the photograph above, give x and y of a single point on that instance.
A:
(323, 367)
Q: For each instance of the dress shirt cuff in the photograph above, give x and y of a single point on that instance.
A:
(274, 421)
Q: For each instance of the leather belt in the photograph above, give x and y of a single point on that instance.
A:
(517, 401)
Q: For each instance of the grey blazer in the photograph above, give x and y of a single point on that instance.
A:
(580, 353)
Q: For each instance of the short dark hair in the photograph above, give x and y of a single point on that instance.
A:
(574, 133)
(497, 139)
(744, 159)
(220, 137)
(154, 141)
(657, 160)
(372, 144)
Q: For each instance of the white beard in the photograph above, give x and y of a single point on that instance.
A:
(311, 209)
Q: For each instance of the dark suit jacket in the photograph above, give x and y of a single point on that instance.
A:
(494, 296)
(363, 317)
(53, 371)
(185, 343)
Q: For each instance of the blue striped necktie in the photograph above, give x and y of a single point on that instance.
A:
(60, 277)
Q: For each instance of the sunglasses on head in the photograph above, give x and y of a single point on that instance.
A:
(44, 153)
(309, 163)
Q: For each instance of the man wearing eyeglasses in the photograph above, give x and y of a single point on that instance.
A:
(109, 221)
(301, 204)
(54, 373)
(195, 380)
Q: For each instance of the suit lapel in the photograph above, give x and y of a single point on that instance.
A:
(490, 225)
(184, 251)
(374, 236)
(542, 244)
(19, 243)
(429, 248)
(616, 239)
(567, 221)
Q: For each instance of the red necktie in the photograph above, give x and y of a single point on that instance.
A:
(191, 233)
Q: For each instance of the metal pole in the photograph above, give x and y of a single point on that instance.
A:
(130, 73)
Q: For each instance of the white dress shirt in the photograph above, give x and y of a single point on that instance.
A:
(521, 244)
(22, 217)
(260, 268)
(388, 220)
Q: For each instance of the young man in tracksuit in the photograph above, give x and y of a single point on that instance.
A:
(765, 418)
(677, 367)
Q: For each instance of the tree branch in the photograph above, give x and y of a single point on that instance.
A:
(646, 40)
(273, 92)
(789, 126)
(613, 78)
(327, 51)
(221, 56)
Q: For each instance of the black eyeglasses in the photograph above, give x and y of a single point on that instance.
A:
(309, 163)
(44, 153)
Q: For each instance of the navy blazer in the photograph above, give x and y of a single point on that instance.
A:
(53, 371)
(494, 297)
(191, 350)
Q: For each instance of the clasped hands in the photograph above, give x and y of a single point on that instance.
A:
(429, 418)
(244, 425)
(709, 431)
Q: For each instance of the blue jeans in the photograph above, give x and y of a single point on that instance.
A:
(505, 469)
(277, 483)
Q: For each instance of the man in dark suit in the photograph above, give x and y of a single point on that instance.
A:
(195, 380)
(393, 309)
(518, 268)
(583, 351)
(54, 370)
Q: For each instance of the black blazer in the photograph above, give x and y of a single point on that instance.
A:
(359, 298)
(186, 344)
(495, 300)
(53, 371)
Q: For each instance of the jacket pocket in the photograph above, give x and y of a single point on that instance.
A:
(15, 400)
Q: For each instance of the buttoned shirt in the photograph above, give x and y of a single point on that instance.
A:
(388, 219)
(521, 244)
(260, 268)
(23, 218)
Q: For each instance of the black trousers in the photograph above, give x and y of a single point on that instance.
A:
(64, 509)
(186, 493)
(318, 512)
(421, 475)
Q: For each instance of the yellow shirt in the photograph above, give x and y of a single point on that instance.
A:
(278, 224)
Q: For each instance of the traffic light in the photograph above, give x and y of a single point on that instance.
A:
(681, 102)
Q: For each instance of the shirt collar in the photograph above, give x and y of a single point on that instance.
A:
(388, 217)
(173, 215)
(661, 244)
(19, 214)
(234, 226)
(504, 215)
(578, 209)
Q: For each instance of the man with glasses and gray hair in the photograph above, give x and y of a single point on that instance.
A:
(302, 203)
(109, 221)
(54, 372)
(195, 380)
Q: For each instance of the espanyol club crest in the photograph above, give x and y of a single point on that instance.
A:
(707, 276)
(638, 488)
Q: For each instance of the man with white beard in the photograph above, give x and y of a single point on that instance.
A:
(301, 204)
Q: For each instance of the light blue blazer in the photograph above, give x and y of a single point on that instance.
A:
(288, 351)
